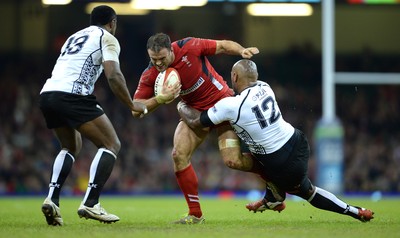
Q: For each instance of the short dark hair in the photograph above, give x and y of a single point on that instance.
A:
(101, 15)
(159, 41)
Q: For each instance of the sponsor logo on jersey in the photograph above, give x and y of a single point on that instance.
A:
(194, 87)
(260, 94)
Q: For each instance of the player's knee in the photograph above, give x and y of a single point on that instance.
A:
(233, 163)
(73, 146)
(181, 159)
(177, 156)
(72, 151)
(305, 190)
(115, 146)
(174, 154)
(237, 161)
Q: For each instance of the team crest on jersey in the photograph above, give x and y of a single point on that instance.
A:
(186, 61)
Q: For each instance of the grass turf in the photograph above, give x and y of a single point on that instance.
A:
(152, 217)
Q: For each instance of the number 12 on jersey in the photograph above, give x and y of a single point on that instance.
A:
(260, 112)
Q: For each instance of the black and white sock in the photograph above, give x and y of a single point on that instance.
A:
(100, 170)
(325, 200)
(61, 168)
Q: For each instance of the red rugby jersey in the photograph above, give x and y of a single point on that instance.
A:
(202, 86)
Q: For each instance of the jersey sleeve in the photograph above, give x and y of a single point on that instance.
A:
(145, 88)
(208, 47)
(111, 48)
(223, 110)
(198, 46)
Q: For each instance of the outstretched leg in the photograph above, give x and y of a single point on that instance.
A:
(325, 200)
(186, 140)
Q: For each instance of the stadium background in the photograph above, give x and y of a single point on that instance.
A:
(367, 39)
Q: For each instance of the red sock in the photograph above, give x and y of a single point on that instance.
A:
(188, 183)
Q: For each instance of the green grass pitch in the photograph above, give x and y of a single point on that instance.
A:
(151, 217)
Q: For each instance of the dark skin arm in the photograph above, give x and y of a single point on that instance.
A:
(189, 115)
(117, 83)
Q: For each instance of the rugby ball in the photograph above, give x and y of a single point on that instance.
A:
(169, 76)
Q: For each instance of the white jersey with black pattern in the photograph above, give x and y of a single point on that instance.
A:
(256, 118)
(80, 63)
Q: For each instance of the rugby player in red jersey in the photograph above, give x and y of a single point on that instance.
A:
(200, 87)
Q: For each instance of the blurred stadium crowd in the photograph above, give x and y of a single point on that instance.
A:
(370, 115)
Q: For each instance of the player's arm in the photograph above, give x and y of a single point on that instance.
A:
(116, 79)
(195, 118)
(152, 102)
(150, 106)
(234, 48)
(117, 83)
(168, 93)
(191, 116)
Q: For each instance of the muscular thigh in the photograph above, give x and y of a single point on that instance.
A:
(186, 140)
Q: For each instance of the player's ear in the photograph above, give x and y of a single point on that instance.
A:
(112, 24)
(235, 77)
(109, 26)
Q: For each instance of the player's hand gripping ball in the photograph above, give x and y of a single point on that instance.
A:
(169, 77)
